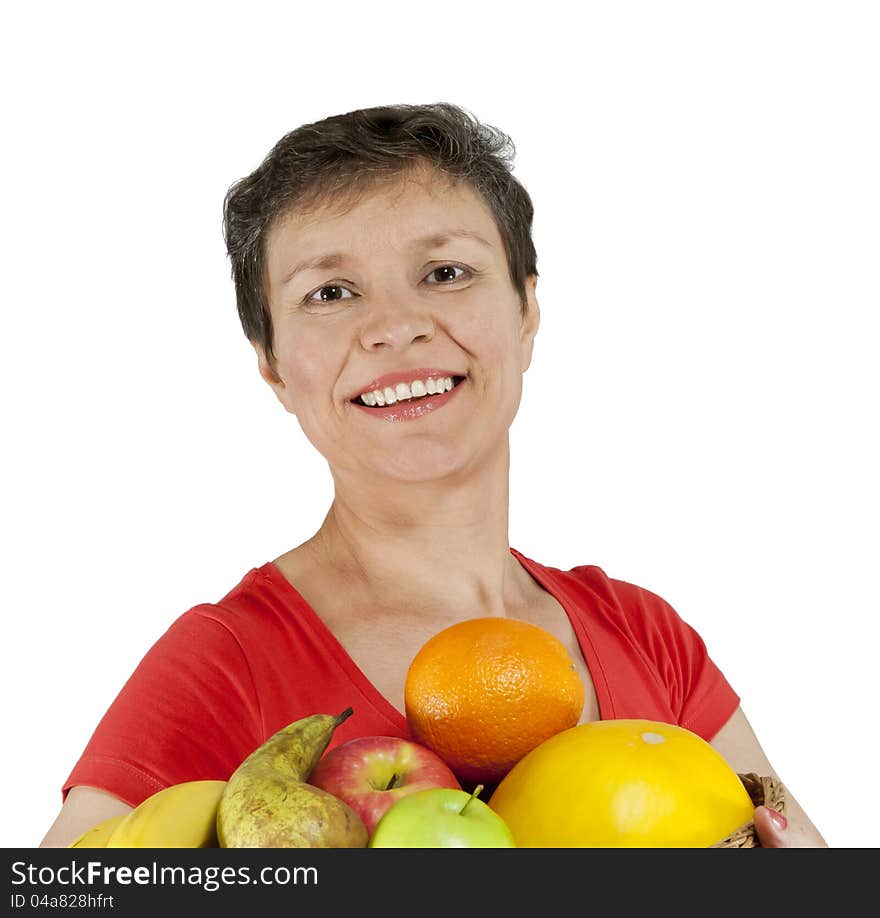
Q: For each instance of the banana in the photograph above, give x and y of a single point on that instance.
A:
(268, 804)
(97, 836)
(180, 816)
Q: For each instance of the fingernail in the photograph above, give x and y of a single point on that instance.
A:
(778, 818)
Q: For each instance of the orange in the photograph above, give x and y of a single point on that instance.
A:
(622, 784)
(484, 692)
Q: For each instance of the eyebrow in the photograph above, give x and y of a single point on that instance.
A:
(336, 259)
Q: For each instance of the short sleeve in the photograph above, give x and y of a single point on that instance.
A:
(700, 697)
(188, 712)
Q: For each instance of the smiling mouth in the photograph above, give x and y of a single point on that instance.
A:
(413, 391)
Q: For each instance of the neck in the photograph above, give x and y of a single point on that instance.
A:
(441, 545)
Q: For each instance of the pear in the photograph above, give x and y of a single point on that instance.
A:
(273, 812)
(268, 804)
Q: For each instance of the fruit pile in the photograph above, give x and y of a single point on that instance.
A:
(490, 703)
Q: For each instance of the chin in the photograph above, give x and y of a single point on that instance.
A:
(428, 471)
(431, 459)
(410, 453)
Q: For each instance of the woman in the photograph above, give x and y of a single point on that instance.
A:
(385, 276)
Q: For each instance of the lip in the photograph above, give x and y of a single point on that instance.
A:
(392, 379)
(411, 410)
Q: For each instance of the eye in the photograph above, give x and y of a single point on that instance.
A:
(444, 274)
(329, 293)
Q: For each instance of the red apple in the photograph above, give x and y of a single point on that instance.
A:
(370, 773)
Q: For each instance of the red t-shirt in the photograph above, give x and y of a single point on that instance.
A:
(225, 676)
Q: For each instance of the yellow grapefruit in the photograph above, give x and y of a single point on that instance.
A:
(622, 784)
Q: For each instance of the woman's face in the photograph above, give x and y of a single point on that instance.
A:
(385, 303)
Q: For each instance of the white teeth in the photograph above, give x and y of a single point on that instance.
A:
(404, 391)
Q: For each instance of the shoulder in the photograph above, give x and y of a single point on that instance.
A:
(605, 595)
(650, 625)
(631, 598)
(224, 633)
(653, 663)
(259, 599)
(626, 610)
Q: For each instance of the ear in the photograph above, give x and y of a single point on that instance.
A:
(530, 321)
(269, 374)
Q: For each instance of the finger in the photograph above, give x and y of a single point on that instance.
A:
(771, 827)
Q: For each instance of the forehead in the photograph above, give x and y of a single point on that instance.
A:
(397, 211)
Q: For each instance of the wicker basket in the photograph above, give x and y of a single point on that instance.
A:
(764, 791)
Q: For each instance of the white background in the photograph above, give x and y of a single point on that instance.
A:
(700, 417)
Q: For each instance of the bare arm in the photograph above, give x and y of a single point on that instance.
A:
(737, 742)
(84, 807)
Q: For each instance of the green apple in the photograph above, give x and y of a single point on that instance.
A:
(441, 818)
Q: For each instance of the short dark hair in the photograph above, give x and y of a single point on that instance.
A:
(344, 155)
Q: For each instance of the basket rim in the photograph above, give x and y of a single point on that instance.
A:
(763, 790)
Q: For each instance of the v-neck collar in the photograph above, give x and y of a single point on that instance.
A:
(545, 577)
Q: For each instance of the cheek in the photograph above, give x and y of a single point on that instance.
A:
(307, 369)
(493, 339)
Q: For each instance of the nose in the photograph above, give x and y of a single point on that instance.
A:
(396, 325)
